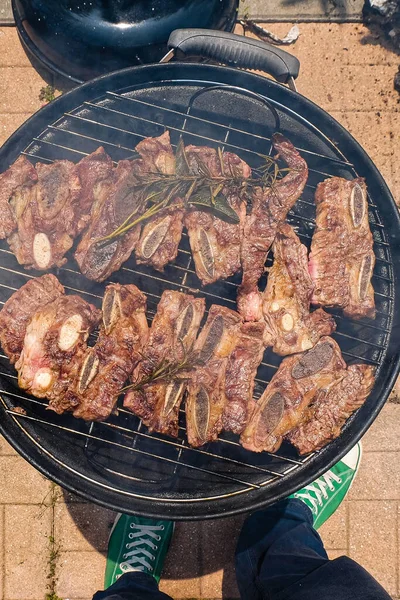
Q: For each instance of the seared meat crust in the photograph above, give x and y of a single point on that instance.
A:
(290, 327)
(342, 258)
(20, 308)
(172, 335)
(21, 173)
(269, 210)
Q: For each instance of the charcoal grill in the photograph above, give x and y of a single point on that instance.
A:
(118, 463)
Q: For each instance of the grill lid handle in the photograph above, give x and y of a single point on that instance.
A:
(235, 50)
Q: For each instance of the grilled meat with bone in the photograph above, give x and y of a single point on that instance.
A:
(92, 169)
(47, 215)
(21, 173)
(326, 416)
(283, 405)
(20, 308)
(342, 259)
(240, 373)
(215, 244)
(160, 237)
(55, 338)
(115, 199)
(171, 339)
(206, 398)
(269, 210)
(118, 350)
(290, 327)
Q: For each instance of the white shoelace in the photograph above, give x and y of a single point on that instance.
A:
(137, 559)
(318, 488)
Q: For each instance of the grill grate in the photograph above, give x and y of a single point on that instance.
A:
(120, 455)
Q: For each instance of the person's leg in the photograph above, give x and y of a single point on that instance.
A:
(280, 556)
(136, 552)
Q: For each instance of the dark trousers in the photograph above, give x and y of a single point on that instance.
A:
(279, 556)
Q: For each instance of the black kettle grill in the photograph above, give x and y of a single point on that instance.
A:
(78, 40)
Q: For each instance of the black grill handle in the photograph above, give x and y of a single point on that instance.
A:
(237, 51)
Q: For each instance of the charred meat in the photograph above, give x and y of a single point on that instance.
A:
(160, 237)
(55, 339)
(329, 411)
(215, 244)
(240, 373)
(92, 170)
(20, 308)
(269, 210)
(290, 327)
(284, 404)
(115, 199)
(21, 174)
(172, 335)
(47, 216)
(342, 259)
(118, 350)
(205, 402)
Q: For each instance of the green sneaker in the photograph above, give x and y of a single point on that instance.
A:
(324, 495)
(137, 544)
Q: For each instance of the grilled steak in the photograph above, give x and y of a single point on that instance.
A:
(159, 241)
(206, 398)
(21, 173)
(283, 405)
(47, 216)
(331, 409)
(215, 244)
(20, 308)
(92, 169)
(290, 327)
(240, 372)
(342, 259)
(172, 336)
(270, 207)
(117, 352)
(115, 199)
(55, 336)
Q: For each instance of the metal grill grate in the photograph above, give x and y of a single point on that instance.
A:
(119, 454)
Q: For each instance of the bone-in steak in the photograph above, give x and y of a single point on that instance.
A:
(342, 259)
(290, 392)
(21, 173)
(215, 244)
(118, 350)
(290, 327)
(20, 308)
(269, 210)
(55, 339)
(160, 237)
(329, 411)
(206, 398)
(172, 335)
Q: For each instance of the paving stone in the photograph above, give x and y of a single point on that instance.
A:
(363, 47)
(183, 568)
(2, 547)
(20, 483)
(334, 530)
(218, 543)
(19, 90)
(27, 531)
(373, 541)
(383, 435)
(82, 527)
(6, 16)
(5, 448)
(9, 124)
(12, 53)
(79, 574)
(367, 86)
(373, 130)
(312, 10)
(378, 477)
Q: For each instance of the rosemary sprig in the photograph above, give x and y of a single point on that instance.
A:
(201, 189)
(167, 370)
